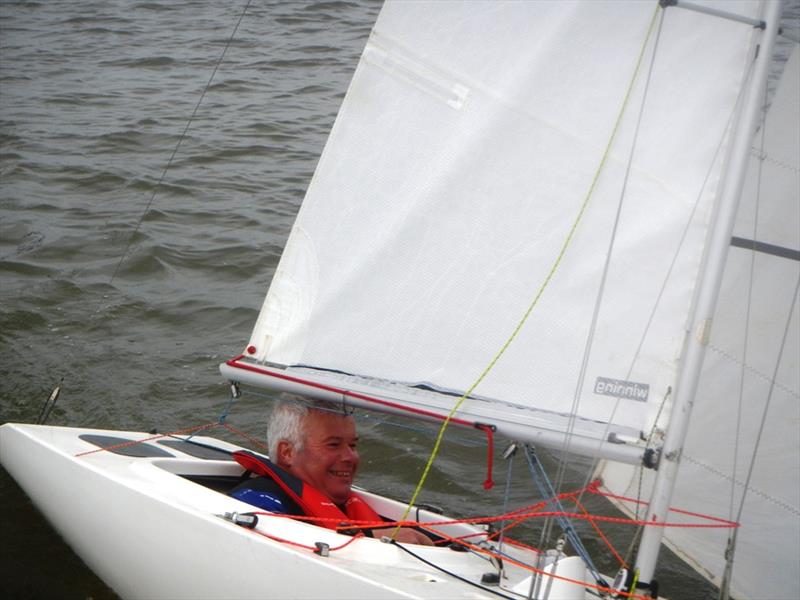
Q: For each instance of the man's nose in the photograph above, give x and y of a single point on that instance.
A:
(350, 454)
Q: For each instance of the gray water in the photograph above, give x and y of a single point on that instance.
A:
(128, 293)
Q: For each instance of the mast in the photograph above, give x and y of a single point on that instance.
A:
(706, 299)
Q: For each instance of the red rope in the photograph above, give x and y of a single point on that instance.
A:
(526, 510)
(304, 546)
(429, 527)
(601, 535)
(356, 524)
(247, 436)
(594, 489)
(522, 565)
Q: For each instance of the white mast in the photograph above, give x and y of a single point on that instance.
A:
(707, 294)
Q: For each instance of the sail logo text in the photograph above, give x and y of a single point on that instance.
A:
(622, 389)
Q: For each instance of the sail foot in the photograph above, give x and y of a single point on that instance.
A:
(541, 428)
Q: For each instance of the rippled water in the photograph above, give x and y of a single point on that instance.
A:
(129, 292)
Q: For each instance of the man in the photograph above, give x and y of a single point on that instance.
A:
(318, 447)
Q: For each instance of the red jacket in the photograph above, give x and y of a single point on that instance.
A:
(312, 501)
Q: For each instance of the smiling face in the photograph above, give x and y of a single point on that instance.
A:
(328, 458)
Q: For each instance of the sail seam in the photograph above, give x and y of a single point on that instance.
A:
(754, 371)
(776, 501)
(761, 155)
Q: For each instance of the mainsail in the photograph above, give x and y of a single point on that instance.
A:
(747, 409)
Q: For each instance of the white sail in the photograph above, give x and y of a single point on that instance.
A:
(470, 137)
(748, 402)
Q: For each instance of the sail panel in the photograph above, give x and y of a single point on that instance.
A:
(748, 401)
(457, 167)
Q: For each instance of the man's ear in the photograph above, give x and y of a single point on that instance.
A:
(285, 454)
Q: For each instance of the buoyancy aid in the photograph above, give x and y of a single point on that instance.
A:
(313, 502)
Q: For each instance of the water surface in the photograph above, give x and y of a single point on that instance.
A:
(127, 282)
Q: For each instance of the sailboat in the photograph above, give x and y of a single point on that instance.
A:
(570, 225)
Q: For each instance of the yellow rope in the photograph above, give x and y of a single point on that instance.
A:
(635, 581)
(556, 263)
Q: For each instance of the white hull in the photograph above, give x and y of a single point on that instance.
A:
(150, 533)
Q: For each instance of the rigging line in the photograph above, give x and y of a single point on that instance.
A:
(556, 263)
(541, 481)
(748, 315)
(592, 469)
(506, 498)
(455, 575)
(760, 433)
(177, 146)
(640, 469)
(562, 461)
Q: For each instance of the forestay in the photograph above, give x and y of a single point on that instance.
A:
(747, 408)
(442, 205)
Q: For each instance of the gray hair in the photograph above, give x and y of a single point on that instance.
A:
(286, 421)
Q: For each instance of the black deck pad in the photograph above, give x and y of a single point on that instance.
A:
(197, 450)
(136, 450)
